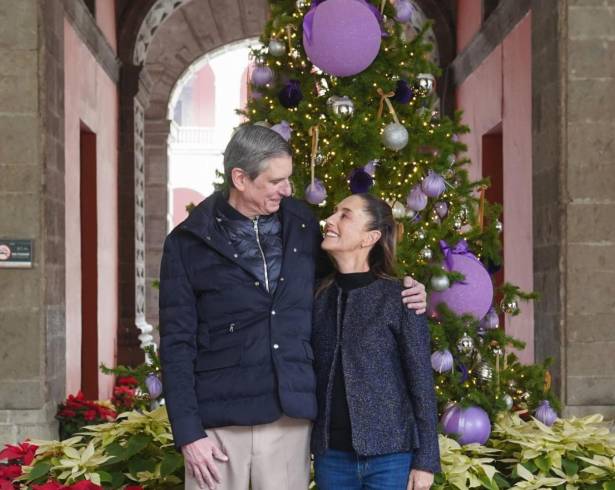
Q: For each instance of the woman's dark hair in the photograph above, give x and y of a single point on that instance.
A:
(382, 256)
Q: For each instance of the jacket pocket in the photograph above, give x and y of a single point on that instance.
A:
(219, 359)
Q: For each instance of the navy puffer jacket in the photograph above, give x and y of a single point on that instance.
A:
(232, 353)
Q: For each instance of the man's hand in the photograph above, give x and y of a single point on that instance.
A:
(414, 296)
(420, 480)
(199, 457)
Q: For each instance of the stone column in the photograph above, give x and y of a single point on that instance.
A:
(574, 198)
(134, 88)
(32, 356)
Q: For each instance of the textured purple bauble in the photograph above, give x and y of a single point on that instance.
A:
(416, 200)
(256, 95)
(360, 181)
(490, 321)
(442, 361)
(283, 129)
(433, 185)
(341, 37)
(315, 193)
(291, 95)
(471, 296)
(469, 425)
(154, 386)
(403, 11)
(441, 209)
(262, 75)
(545, 413)
(370, 167)
(403, 93)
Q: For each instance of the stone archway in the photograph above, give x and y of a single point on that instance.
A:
(159, 40)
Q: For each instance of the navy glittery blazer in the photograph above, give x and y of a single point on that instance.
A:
(387, 372)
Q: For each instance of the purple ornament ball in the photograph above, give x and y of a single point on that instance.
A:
(370, 167)
(442, 209)
(360, 181)
(545, 414)
(442, 361)
(472, 296)
(341, 37)
(283, 129)
(403, 11)
(154, 386)
(416, 200)
(291, 95)
(433, 185)
(262, 75)
(470, 425)
(491, 320)
(315, 193)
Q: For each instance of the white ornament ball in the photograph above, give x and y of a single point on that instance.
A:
(395, 136)
(399, 210)
(276, 48)
(440, 283)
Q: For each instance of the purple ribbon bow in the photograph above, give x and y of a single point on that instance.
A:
(461, 248)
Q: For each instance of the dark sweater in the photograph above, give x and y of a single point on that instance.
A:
(340, 431)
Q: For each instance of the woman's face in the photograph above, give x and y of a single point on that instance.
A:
(346, 228)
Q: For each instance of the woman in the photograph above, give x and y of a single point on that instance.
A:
(377, 419)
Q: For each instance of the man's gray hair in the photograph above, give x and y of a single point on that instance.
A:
(249, 149)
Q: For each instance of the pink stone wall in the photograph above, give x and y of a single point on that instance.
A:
(105, 18)
(182, 197)
(469, 19)
(90, 98)
(499, 92)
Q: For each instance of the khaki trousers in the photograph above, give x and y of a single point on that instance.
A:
(273, 456)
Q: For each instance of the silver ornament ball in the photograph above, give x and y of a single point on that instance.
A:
(427, 83)
(499, 226)
(340, 107)
(276, 48)
(302, 4)
(440, 283)
(395, 136)
(483, 372)
(510, 307)
(465, 344)
(457, 224)
(419, 235)
(426, 253)
(508, 400)
(319, 159)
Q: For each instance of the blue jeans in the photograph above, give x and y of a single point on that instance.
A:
(341, 470)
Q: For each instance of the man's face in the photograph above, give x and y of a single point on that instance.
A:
(263, 194)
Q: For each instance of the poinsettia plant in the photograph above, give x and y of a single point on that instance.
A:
(12, 458)
(77, 412)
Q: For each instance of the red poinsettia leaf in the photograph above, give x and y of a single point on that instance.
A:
(85, 485)
(10, 472)
(6, 484)
(50, 485)
(11, 453)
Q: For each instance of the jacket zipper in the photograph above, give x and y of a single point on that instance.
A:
(258, 241)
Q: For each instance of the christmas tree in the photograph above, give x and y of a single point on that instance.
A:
(351, 85)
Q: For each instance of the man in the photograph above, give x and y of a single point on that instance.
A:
(236, 287)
